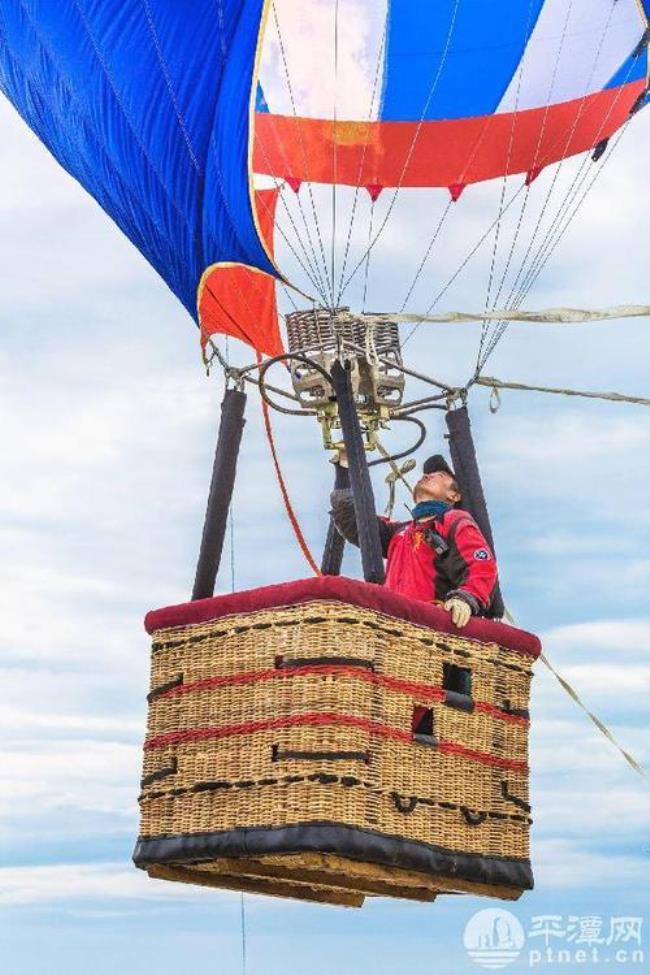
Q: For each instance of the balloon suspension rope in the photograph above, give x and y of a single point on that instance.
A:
(300, 538)
(242, 913)
(231, 539)
(242, 902)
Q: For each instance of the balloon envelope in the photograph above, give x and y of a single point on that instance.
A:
(453, 92)
(147, 103)
(154, 107)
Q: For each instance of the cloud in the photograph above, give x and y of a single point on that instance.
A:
(629, 681)
(46, 778)
(566, 864)
(289, 36)
(618, 636)
(572, 460)
(33, 723)
(618, 815)
(90, 882)
(105, 267)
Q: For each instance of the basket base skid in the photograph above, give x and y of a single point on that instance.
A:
(323, 878)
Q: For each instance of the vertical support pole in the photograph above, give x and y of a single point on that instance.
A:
(465, 465)
(362, 493)
(224, 468)
(332, 552)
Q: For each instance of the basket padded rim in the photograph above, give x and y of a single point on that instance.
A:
(341, 589)
(348, 841)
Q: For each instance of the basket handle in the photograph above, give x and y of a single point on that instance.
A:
(505, 792)
(473, 817)
(404, 804)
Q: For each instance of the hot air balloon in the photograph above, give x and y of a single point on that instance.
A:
(328, 739)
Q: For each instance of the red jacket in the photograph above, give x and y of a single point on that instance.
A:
(463, 565)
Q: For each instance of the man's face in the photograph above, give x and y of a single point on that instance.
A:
(438, 486)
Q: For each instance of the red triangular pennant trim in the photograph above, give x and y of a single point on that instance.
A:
(532, 174)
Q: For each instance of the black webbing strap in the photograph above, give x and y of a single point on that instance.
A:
(277, 756)
(465, 464)
(362, 493)
(221, 486)
(333, 551)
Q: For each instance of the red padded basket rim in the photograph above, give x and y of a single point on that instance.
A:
(343, 590)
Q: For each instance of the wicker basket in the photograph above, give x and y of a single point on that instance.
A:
(327, 740)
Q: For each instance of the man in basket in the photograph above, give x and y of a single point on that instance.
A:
(440, 554)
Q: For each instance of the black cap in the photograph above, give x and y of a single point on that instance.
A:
(437, 463)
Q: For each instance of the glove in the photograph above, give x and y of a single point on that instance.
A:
(460, 611)
(340, 457)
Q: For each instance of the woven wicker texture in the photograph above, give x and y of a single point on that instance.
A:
(306, 714)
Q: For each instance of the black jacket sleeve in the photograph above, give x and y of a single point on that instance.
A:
(344, 517)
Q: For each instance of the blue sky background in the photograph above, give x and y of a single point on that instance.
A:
(108, 428)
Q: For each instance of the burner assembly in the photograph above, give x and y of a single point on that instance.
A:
(371, 346)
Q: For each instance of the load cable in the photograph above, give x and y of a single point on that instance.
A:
(310, 271)
(427, 253)
(421, 318)
(413, 143)
(497, 384)
(242, 915)
(568, 216)
(497, 234)
(560, 315)
(556, 173)
(334, 153)
(364, 152)
(298, 121)
(495, 224)
(563, 208)
(520, 295)
(366, 271)
(231, 541)
(553, 235)
(600, 725)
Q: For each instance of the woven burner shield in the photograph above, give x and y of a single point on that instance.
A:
(321, 334)
(329, 740)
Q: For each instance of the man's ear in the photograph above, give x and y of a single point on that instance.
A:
(455, 497)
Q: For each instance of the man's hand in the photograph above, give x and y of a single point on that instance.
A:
(460, 611)
(340, 457)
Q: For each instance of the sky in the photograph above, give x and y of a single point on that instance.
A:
(108, 432)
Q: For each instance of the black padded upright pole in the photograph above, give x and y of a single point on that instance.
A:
(465, 464)
(362, 493)
(231, 427)
(333, 552)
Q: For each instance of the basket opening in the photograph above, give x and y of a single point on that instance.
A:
(457, 679)
(422, 726)
(457, 683)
